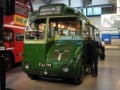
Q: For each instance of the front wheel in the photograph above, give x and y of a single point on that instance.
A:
(8, 61)
(80, 77)
(33, 76)
(102, 57)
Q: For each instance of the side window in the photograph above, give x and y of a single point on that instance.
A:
(8, 35)
(86, 31)
(92, 32)
(19, 37)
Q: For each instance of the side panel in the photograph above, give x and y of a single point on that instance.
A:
(16, 45)
(19, 45)
(34, 53)
(16, 23)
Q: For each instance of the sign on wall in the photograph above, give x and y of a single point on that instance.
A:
(87, 2)
(110, 21)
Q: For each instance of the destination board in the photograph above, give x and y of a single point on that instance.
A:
(50, 10)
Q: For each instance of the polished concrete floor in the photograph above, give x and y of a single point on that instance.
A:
(108, 77)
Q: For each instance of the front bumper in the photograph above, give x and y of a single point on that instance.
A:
(52, 72)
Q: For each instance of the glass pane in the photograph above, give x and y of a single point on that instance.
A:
(35, 29)
(19, 37)
(84, 11)
(66, 26)
(8, 35)
(89, 11)
(97, 11)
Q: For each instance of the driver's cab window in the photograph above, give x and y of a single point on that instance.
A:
(35, 29)
(32, 26)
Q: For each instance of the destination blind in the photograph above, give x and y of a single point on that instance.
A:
(50, 10)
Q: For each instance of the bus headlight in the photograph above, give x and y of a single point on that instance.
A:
(27, 65)
(66, 68)
(45, 72)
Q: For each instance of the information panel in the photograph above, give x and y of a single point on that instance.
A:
(87, 2)
(110, 21)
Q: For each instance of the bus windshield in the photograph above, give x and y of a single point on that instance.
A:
(35, 29)
(67, 27)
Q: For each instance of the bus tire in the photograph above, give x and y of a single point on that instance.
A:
(102, 57)
(80, 77)
(33, 76)
(8, 61)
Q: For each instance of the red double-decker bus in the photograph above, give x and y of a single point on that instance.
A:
(14, 27)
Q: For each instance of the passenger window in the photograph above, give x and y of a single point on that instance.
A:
(91, 32)
(8, 35)
(85, 32)
(19, 37)
(88, 31)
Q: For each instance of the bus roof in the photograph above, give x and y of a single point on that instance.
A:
(24, 3)
(59, 9)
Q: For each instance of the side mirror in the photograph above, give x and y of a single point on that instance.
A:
(8, 6)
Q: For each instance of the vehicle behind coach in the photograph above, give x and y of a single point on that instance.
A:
(55, 43)
(14, 27)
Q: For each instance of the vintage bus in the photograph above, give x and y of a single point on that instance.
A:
(14, 27)
(55, 43)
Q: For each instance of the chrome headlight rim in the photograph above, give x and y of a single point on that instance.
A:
(26, 65)
(66, 68)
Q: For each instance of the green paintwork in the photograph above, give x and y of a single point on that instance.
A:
(37, 53)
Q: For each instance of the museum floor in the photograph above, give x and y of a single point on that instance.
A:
(108, 77)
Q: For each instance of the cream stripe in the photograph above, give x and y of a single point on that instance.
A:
(13, 26)
(10, 48)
